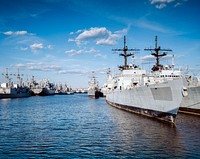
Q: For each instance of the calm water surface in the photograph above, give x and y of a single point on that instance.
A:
(75, 126)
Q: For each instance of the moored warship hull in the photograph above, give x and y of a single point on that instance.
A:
(159, 101)
(47, 92)
(94, 93)
(191, 103)
(36, 91)
(14, 93)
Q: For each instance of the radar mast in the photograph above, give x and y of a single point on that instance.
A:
(125, 54)
(157, 55)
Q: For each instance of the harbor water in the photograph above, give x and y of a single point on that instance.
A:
(76, 126)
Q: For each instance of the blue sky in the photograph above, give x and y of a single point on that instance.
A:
(65, 40)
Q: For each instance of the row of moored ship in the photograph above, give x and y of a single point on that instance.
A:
(30, 88)
(159, 94)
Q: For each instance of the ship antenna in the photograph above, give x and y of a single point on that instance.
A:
(173, 63)
(157, 55)
(125, 54)
(19, 79)
(6, 76)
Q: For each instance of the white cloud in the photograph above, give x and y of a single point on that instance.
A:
(39, 66)
(71, 40)
(101, 36)
(23, 32)
(34, 47)
(8, 33)
(20, 65)
(73, 52)
(49, 47)
(93, 33)
(73, 71)
(78, 31)
(160, 4)
(108, 41)
(24, 48)
(161, 1)
(151, 59)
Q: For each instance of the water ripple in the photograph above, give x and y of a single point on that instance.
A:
(80, 127)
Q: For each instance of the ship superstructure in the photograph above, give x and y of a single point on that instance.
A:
(93, 87)
(156, 95)
(8, 89)
(191, 103)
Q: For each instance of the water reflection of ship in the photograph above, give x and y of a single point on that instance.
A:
(10, 90)
(136, 129)
(157, 95)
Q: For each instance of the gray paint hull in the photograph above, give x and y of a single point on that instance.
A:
(191, 103)
(46, 92)
(91, 93)
(160, 101)
(14, 93)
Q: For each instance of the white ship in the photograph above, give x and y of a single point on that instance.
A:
(63, 90)
(93, 87)
(110, 82)
(35, 87)
(191, 103)
(43, 88)
(156, 95)
(48, 88)
(10, 90)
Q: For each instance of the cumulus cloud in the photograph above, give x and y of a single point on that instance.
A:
(99, 35)
(160, 4)
(73, 52)
(23, 32)
(93, 33)
(36, 46)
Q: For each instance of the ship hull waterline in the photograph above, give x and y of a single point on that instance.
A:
(191, 103)
(19, 95)
(162, 116)
(158, 101)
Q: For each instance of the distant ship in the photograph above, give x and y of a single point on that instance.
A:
(156, 95)
(35, 87)
(109, 84)
(93, 87)
(43, 88)
(63, 90)
(191, 103)
(48, 88)
(10, 90)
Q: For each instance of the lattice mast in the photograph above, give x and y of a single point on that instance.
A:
(157, 55)
(125, 54)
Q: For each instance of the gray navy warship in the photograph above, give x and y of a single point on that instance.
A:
(93, 87)
(10, 90)
(191, 103)
(157, 94)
